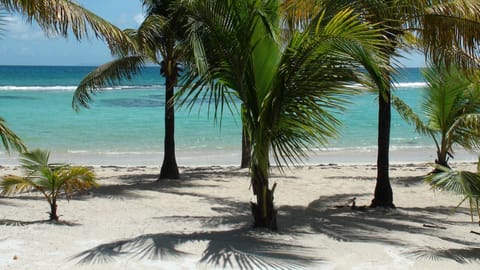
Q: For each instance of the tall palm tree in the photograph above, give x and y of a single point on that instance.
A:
(451, 109)
(447, 31)
(288, 89)
(156, 41)
(52, 180)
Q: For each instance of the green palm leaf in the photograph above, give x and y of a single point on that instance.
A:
(463, 183)
(106, 75)
(10, 139)
(64, 17)
(450, 33)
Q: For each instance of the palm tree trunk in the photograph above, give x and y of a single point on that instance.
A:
(383, 195)
(246, 150)
(442, 152)
(246, 144)
(169, 167)
(53, 210)
(264, 213)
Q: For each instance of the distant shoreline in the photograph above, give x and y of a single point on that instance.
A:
(232, 157)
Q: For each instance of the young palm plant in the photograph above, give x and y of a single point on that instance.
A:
(52, 180)
(463, 183)
(288, 90)
(451, 109)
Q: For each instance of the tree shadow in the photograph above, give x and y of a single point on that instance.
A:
(190, 178)
(236, 245)
(240, 248)
(19, 223)
(363, 224)
(459, 255)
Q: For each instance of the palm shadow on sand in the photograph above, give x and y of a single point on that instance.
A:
(19, 223)
(240, 247)
(361, 224)
(237, 247)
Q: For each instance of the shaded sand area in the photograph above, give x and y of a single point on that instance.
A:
(203, 222)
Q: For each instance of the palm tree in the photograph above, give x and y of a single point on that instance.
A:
(288, 89)
(452, 110)
(463, 183)
(49, 179)
(401, 21)
(156, 41)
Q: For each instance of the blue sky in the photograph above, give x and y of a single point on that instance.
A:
(24, 44)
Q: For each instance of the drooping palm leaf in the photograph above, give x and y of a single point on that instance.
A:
(463, 183)
(9, 138)
(106, 75)
(450, 32)
(64, 17)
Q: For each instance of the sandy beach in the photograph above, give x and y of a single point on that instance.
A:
(202, 221)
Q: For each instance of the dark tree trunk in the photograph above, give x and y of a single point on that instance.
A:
(169, 167)
(383, 196)
(263, 211)
(246, 150)
(53, 211)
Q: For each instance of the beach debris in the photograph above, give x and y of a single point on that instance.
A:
(15, 257)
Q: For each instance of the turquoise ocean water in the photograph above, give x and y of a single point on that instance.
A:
(124, 126)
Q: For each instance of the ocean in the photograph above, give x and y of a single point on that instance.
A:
(124, 125)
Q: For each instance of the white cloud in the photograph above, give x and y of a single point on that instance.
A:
(18, 29)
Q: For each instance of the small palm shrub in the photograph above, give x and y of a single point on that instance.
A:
(52, 180)
(464, 183)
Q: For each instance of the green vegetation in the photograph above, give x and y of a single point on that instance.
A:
(65, 17)
(289, 89)
(406, 24)
(49, 179)
(463, 183)
(10, 139)
(451, 109)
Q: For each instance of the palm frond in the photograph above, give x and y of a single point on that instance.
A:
(34, 161)
(64, 17)
(150, 31)
(106, 75)
(10, 139)
(314, 81)
(407, 113)
(450, 32)
(74, 178)
(463, 183)
(12, 184)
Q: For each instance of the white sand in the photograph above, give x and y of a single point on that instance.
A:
(202, 221)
